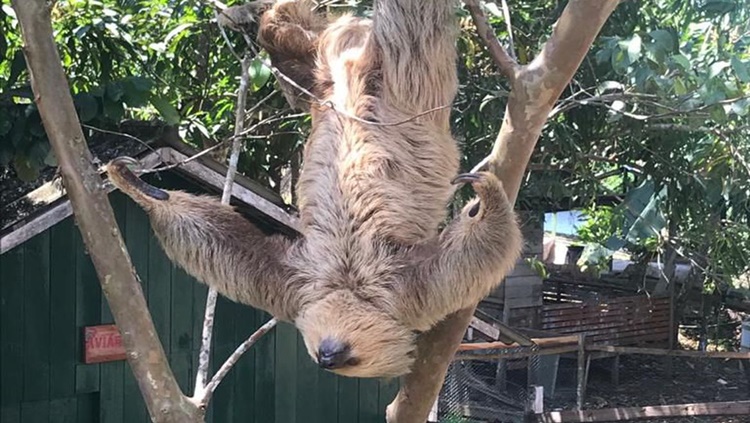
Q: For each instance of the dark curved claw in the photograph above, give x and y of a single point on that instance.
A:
(122, 165)
(466, 178)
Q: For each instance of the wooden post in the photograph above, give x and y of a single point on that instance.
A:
(582, 370)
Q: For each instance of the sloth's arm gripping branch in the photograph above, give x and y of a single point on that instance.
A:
(289, 31)
(213, 243)
(475, 252)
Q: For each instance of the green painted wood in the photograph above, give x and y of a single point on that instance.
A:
(137, 230)
(11, 328)
(36, 371)
(88, 408)
(182, 327)
(88, 313)
(369, 392)
(286, 386)
(348, 399)
(327, 396)
(307, 384)
(223, 345)
(35, 412)
(159, 291)
(244, 380)
(111, 392)
(111, 385)
(64, 410)
(10, 413)
(62, 310)
(388, 390)
(265, 400)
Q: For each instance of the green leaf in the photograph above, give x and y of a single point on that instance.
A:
(634, 48)
(114, 110)
(682, 61)
(17, 66)
(740, 69)
(718, 114)
(166, 110)
(716, 68)
(114, 91)
(25, 169)
(87, 105)
(662, 39)
(259, 74)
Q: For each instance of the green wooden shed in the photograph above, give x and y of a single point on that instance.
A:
(49, 292)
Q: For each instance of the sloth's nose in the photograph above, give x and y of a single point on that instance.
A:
(333, 354)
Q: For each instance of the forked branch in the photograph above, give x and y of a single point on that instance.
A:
(535, 89)
(499, 54)
(95, 218)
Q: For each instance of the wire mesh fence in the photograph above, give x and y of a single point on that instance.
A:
(479, 388)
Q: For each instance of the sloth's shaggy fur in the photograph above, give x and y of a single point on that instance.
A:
(371, 269)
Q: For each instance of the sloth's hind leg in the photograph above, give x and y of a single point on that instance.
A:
(213, 243)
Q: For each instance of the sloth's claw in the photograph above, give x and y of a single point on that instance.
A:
(122, 165)
(466, 178)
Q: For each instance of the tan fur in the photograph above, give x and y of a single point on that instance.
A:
(370, 269)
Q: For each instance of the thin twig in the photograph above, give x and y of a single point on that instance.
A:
(232, 360)
(506, 16)
(500, 56)
(208, 320)
(121, 134)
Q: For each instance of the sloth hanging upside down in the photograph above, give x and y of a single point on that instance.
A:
(370, 270)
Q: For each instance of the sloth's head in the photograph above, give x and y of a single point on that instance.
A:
(351, 337)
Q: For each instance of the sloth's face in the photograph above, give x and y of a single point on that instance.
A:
(350, 337)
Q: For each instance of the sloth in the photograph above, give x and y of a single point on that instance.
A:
(371, 268)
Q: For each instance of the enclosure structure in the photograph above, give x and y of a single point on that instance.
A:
(49, 293)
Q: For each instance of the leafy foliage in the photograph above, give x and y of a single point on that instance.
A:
(661, 104)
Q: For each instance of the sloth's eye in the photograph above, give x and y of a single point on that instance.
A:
(353, 361)
(474, 210)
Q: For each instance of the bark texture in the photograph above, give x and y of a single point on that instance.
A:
(96, 221)
(535, 88)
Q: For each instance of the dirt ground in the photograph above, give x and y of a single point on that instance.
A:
(644, 381)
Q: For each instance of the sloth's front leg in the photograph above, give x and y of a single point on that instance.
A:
(471, 256)
(213, 243)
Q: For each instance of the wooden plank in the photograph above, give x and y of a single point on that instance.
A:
(63, 311)
(35, 411)
(307, 384)
(675, 353)
(223, 346)
(11, 328)
(136, 234)
(388, 390)
(87, 408)
(181, 327)
(604, 318)
(368, 401)
(609, 302)
(285, 388)
(159, 290)
(10, 413)
(658, 411)
(88, 312)
(541, 342)
(485, 328)
(63, 410)
(36, 371)
(348, 399)
(496, 354)
(265, 371)
(111, 392)
(605, 322)
(594, 309)
(244, 383)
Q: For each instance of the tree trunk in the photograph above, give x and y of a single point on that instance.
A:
(535, 88)
(96, 221)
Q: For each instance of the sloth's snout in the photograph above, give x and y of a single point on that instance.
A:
(333, 354)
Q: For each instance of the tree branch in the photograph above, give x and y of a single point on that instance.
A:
(503, 60)
(535, 89)
(93, 212)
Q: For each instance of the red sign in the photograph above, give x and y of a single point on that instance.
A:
(103, 343)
